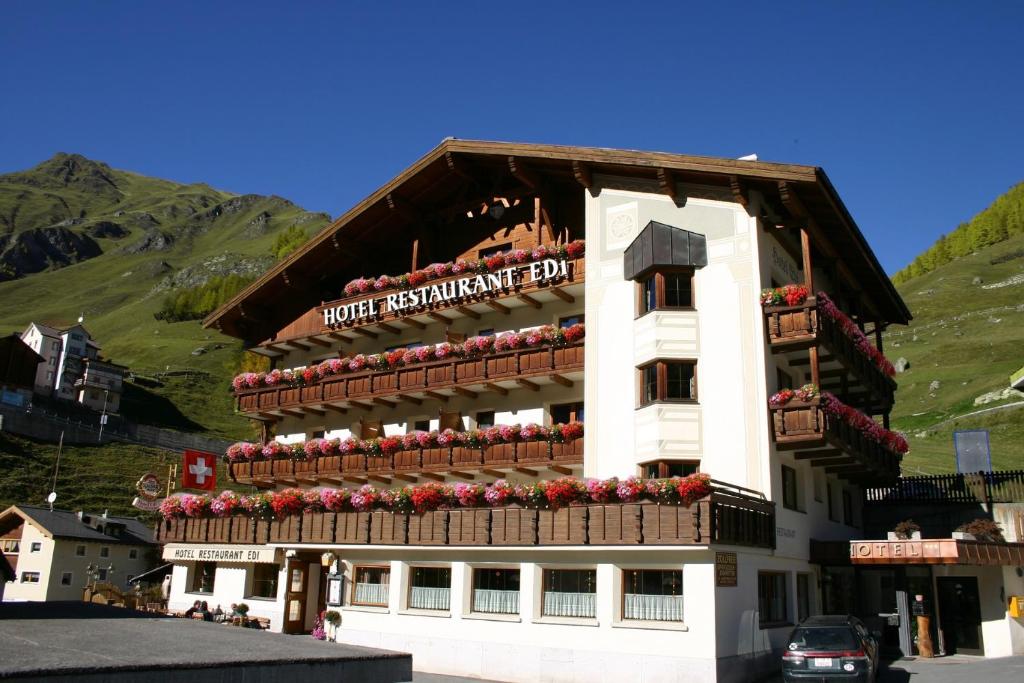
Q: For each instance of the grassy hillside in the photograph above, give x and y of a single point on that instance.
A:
(77, 237)
(968, 336)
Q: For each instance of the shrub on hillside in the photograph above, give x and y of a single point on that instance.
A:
(195, 303)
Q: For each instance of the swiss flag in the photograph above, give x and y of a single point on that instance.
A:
(200, 471)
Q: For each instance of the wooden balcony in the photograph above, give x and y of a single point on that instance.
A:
(722, 518)
(499, 372)
(844, 369)
(831, 443)
(427, 463)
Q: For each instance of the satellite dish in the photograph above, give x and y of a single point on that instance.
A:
(50, 498)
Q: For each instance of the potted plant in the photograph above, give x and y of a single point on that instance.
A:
(332, 619)
(907, 530)
(980, 530)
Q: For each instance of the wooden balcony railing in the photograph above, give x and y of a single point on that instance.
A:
(721, 518)
(794, 327)
(806, 425)
(455, 460)
(434, 376)
(1005, 486)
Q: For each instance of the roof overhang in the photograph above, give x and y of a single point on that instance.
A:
(924, 551)
(457, 169)
(662, 246)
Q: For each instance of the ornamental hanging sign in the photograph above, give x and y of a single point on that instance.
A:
(409, 301)
(149, 489)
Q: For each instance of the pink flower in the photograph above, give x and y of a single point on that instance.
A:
(629, 490)
(539, 252)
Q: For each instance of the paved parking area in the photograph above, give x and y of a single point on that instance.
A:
(954, 670)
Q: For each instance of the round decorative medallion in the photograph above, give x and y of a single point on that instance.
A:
(149, 486)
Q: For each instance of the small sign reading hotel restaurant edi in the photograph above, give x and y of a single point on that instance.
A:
(725, 570)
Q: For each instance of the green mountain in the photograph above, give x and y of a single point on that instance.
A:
(80, 238)
(967, 296)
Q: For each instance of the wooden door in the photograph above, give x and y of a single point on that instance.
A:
(960, 614)
(295, 596)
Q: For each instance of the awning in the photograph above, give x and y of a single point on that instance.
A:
(937, 551)
(660, 246)
(153, 575)
(196, 552)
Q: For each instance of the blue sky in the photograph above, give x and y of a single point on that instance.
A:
(913, 109)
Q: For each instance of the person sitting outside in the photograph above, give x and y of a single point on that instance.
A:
(205, 610)
(192, 610)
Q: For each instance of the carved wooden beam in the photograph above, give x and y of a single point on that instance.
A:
(468, 312)
(824, 453)
(431, 475)
(527, 384)
(739, 191)
(379, 477)
(443, 398)
(584, 177)
(276, 349)
(410, 399)
(527, 471)
(383, 402)
(336, 409)
(492, 473)
(267, 417)
(354, 480)
(404, 208)
(439, 318)
(667, 185)
(498, 389)
(462, 475)
(523, 174)
(563, 295)
(319, 342)
(564, 381)
(361, 406)
(365, 332)
(343, 338)
(500, 308)
(412, 322)
(560, 469)
(389, 328)
(309, 410)
(407, 477)
(461, 391)
(832, 461)
(527, 299)
(292, 413)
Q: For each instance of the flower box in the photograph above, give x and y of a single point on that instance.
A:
(385, 382)
(289, 395)
(436, 457)
(513, 526)
(360, 386)
(568, 356)
(378, 463)
(172, 530)
(388, 528)
(262, 469)
(535, 360)
(312, 393)
(248, 403)
(352, 527)
(461, 455)
(412, 378)
(318, 527)
(791, 323)
(670, 524)
(533, 451)
(500, 454)
(798, 421)
(565, 526)
(614, 525)
(219, 530)
(243, 529)
(502, 366)
(240, 472)
(285, 530)
(570, 451)
(334, 389)
(283, 468)
(353, 462)
(469, 527)
(440, 375)
(306, 470)
(407, 460)
(470, 370)
(328, 467)
(429, 528)
(269, 399)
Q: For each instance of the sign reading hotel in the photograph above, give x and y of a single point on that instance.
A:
(407, 301)
(218, 553)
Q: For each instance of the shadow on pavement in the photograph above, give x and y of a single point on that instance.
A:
(69, 610)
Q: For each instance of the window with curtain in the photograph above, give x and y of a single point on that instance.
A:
(264, 580)
(771, 598)
(668, 380)
(663, 469)
(371, 586)
(496, 591)
(430, 588)
(672, 289)
(202, 577)
(570, 593)
(652, 594)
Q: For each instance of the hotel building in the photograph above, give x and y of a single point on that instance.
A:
(673, 376)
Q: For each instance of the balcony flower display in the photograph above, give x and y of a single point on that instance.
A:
(287, 502)
(364, 498)
(564, 491)
(828, 308)
(335, 500)
(313, 448)
(242, 452)
(195, 506)
(629, 490)
(498, 493)
(448, 437)
(491, 264)
(312, 501)
(602, 490)
(787, 295)
(225, 504)
(274, 450)
(469, 495)
(258, 505)
(171, 508)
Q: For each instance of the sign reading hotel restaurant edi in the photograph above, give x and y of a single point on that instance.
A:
(725, 570)
(405, 302)
(218, 553)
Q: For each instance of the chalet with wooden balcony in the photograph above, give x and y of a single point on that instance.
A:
(538, 391)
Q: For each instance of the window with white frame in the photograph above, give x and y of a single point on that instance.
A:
(30, 577)
(772, 598)
(430, 588)
(495, 591)
(264, 581)
(569, 593)
(371, 586)
(652, 594)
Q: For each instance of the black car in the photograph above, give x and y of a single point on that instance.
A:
(830, 648)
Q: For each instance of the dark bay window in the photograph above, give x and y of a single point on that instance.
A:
(570, 593)
(772, 600)
(847, 508)
(666, 290)
(564, 413)
(790, 496)
(496, 591)
(663, 469)
(371, 586)
(264, 581)
(484, 419)
(668, 380)
(570, 320)
(203, 575)
(652, 594)
(430, 588)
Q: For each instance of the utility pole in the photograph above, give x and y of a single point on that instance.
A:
(103, 416)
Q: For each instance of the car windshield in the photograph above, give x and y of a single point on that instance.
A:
(823, 638)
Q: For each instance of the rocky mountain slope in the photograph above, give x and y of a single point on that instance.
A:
(80, 238)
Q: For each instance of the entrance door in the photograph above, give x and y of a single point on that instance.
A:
(877, 607)
(295, 597)
(960, 614)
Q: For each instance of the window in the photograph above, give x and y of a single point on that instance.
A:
(830, 502)
(49, 376)
(264, 581)
(11, 545)
(79, 551)
(570, 320)
(430, 588)
(771, 598)
(486, 332)
(105, 551)
(53, 363)
(497, 249)
(30, 577)
(371, 586)
(496, 591)
(847, 508)
(803, 597)
(783, 380)
(35, 547)
(569, 593)
(55, 346)
(133, 554)
(819, 484)
(203, 575)
(65, 578)
(663, 469)
(668, 380)
(665, 290)
(790, 489)
(102, 573)
(564, 413)
(652, 594)
(421, 426)
(484, 419)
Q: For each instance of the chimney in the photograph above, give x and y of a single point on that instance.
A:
(105, 513)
